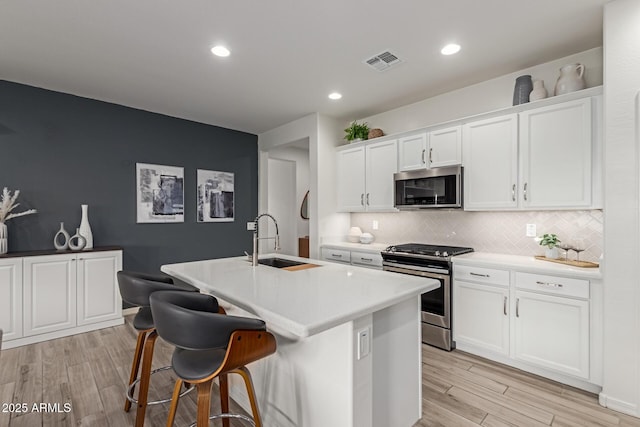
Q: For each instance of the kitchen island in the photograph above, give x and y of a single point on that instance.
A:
(349, 351)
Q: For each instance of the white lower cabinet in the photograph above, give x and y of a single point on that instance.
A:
(481, 316)
(527, 320)
(552, 332)
(360, 258)
(48, 296)
(11, 298)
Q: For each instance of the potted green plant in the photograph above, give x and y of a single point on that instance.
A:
(356, 132)
(550, 241)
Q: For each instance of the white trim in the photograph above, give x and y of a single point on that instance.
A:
(618, 405)
(129, 311)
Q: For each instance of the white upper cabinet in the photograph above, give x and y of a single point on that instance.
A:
(365, 177)
(491, 163)
(412, 152)
(442, 147)
(542, 158)
(556, 148)
(445, 147)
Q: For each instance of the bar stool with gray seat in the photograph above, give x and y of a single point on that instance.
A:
(135, 289)
(209, 345)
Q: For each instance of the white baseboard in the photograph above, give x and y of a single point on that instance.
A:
(129, 311)
(618, 405)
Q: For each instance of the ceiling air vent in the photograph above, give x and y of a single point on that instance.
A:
(383, 61)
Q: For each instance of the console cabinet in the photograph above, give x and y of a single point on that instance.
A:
(54, 295)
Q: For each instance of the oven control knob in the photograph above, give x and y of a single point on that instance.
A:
(437, 253)
(445, 254)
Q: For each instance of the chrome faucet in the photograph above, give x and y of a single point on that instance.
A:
(254, 258)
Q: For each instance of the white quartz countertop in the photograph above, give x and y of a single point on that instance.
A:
(304, 302)
(364, 247)
(525, 263)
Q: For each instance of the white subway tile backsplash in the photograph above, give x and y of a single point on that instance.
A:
(500, 232)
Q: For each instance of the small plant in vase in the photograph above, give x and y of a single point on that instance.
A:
(356, 132)
(550, 241)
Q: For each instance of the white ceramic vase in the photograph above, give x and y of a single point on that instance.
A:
(85, 228)
(539, 91)
(4, 239)
(77, 242)
(571, 79)
(354, 234)
(551, 253)
(62, 233)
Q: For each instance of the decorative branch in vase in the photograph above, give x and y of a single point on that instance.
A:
(8, 204)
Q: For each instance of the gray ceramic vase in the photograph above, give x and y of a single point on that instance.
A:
(524, 86)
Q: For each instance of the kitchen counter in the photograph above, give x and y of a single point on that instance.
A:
(362, 247)
(348, 339)
(525, 263)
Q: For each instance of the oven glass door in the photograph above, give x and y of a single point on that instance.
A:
(436, 304)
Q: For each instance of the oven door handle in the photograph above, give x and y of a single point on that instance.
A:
(412, 272)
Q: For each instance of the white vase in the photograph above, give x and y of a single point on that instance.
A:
(85, 228)
(65, 236)
(571, 79)
(551, 253)
(539, 91)
(77, 242)
(354, 234)
(4, 239)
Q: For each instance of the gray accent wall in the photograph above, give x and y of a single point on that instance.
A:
(62, 151)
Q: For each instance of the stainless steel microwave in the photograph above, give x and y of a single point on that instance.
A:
(429, 188)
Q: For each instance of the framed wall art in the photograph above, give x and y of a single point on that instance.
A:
(160, 193)
(215, 196)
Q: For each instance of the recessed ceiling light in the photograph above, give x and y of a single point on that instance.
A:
(450, 49)
(220, 51)
(335, 95)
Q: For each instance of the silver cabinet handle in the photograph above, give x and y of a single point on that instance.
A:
(513, 193)
(367, 199)
(549, 285)
(366, 259)
(336, 255)
(423, 160)
(525, 191)
(362, 199)
(478, 274)
(430, 155)
(504, 306)
(517, 307)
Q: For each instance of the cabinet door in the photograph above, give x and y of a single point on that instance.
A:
(480, 316)
(412, 152)
(445, 147)
(382, 163)
(98, 294)
(11, 298)
(552, 332)
(49, 293)
(491, 163)
(556, 147)
(351, 178)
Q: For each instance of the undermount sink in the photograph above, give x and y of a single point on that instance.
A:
(279, 262)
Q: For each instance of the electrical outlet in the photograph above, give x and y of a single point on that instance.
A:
(531, 230)
(251, 225)
(375, 224)
(364, 343)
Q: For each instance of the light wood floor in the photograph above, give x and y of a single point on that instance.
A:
(90, 371)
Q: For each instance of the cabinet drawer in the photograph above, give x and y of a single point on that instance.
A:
(481, 274)
(366, 258)
(554, 285)
(339, 255)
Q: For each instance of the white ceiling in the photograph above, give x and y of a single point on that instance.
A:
(287, 55)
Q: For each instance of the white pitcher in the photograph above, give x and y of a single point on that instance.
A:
(571, 79)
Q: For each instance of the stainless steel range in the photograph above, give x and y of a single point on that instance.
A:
(434, 262)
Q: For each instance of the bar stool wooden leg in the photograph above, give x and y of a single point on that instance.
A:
(246, 376)
(135, 364)
(204, 402)
(145, 376)
(175, 399)
(224, 398)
